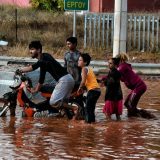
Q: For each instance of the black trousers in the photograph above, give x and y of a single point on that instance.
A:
(91, 100)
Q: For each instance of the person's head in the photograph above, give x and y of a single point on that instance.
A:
(35, 48)
(71, 43)
(113, 62)
(84, 60)
(123, 57)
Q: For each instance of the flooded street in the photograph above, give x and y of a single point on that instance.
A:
(53, 138)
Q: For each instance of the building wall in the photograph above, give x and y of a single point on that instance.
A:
(20, 3)
(107, 6)
(143, 5)
(133, 5)
(94, 5)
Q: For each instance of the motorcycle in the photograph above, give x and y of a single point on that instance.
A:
(21, 93)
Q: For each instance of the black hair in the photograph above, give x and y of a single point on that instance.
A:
(86, 58)
(116, 61)
(73, 40)
(36, 45)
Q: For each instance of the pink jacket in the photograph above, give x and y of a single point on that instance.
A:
(128, 76)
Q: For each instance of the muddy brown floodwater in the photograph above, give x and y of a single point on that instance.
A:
(51, 138)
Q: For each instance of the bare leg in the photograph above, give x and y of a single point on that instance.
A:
(107, 116)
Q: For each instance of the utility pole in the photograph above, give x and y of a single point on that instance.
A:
(120, 27)
(74, 23)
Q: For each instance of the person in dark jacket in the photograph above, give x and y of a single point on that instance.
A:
(113, 96)
(47, 63)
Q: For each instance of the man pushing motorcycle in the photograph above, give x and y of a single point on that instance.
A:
(46, 63)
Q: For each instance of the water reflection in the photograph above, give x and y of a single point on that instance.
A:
(52, 138)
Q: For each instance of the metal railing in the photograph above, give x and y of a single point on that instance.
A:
(100, 67)
(143, 32)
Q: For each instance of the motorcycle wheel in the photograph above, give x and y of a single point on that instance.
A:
(4, 107)
(24, 114)
(79, 114)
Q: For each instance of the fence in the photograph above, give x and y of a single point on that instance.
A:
(20, 26)
(143, 32)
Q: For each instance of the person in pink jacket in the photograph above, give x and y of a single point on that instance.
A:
(132, 82)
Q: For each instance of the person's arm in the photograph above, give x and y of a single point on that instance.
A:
(41, 79)
(65, 61)
(102, 80)
(42, 74)
(84, 77)
(26, 69)
(31, 67)
(37, 88)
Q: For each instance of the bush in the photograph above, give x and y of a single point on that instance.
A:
(49, 5)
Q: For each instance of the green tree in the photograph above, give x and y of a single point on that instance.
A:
(61, 4)
(49, 5)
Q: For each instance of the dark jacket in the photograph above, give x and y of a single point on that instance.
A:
(48, 64)
(113, 87)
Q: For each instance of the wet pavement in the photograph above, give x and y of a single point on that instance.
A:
(53, 138)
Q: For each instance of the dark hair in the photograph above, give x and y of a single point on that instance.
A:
(36, 45)
(73, 40)
(116, 61)
(86, 58)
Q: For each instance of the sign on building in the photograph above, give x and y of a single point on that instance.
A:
(76, 4)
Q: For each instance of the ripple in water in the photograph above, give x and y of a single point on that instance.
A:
(52, 138)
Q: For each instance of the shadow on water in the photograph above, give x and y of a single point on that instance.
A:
(52, 138)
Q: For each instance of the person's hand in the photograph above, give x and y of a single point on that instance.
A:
(102, 83)
(18, 72)
(80, 91)
(33, 90)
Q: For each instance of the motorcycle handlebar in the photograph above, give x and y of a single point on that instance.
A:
(24, 77)
(18, 72)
